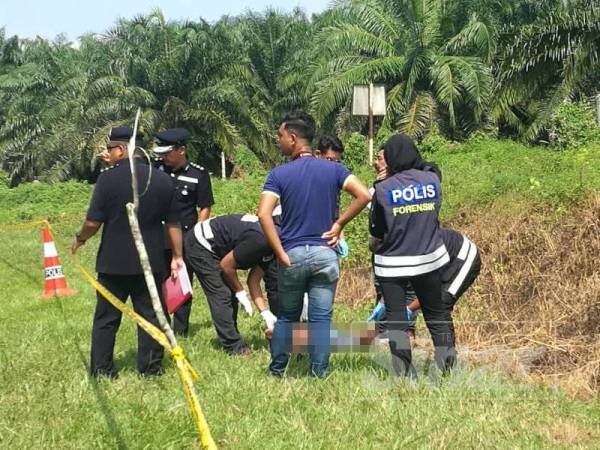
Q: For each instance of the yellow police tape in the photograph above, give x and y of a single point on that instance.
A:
(24, 226)
(186, 372)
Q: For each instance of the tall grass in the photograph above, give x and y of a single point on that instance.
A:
(525, 209)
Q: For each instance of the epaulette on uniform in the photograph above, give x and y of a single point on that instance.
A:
(106, 169)
(197, 166)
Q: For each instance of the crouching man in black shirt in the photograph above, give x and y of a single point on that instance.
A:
(460, 273)
(215, 250)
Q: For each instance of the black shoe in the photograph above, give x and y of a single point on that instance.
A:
(109, 374)
(151, 374)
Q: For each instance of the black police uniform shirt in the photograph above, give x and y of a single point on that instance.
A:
(192, 190)
(241, 234)
(460, 250)
(404, 215)
(117, 253)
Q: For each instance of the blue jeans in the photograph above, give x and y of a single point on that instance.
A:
(315, 270)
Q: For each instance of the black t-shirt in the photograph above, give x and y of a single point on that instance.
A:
(453, 241)
(117, 254)
(192, 190)
(243, 235)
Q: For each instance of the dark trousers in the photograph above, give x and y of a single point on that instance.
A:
(270, 280)
(437, 317)
(221, 300)
(107, 320)
(181, 317)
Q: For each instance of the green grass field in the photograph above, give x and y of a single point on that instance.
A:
(48, 401)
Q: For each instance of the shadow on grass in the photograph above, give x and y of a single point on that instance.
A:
(19, 270)
(101, 399)
(254, 342)
(127, 359)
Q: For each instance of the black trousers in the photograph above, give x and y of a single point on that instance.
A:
(107, 320)
(221, 300)
(270, 280)
(437, 317)
(181, 317)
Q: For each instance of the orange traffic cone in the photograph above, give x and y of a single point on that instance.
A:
(55, 284)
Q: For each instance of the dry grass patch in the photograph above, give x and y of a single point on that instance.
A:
(537, 299)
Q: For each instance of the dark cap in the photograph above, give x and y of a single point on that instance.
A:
(172, 137)
(120, 134)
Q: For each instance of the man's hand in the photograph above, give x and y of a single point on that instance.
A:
(269, 319)
(88, 229)
(242, 298)
(176, 265)
(104, 156)
(284, 260)
(333, 235)
(75, 245)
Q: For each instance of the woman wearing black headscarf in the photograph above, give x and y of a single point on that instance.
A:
(404, 219)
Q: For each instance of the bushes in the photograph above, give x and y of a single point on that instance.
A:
(476, 174)
(245, 160)
(31, 201)
(574, 125)
(356, 151)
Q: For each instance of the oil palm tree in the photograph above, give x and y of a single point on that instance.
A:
(429, 77)
(546, 62)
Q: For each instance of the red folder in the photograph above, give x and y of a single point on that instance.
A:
(177, 291)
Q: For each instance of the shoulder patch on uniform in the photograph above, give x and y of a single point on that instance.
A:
(249, 218)
(197, 166)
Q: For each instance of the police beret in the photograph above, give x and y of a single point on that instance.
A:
(166, 139)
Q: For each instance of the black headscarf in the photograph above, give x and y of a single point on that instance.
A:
(400, 153)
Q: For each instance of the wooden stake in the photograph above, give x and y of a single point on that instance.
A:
(206, 439)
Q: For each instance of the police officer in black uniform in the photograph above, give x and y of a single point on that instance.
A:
(117, 262)
(193, 195)
(215, 250)
(456, 276)
(462, 270)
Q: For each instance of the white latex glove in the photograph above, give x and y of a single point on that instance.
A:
(269, 319)
(304, 314)
(242, 297)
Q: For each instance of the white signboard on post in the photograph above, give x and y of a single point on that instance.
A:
(360, 100)
(369, 100)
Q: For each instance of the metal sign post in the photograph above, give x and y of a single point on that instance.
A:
(223, 174)
(369, 100)
(370, 123)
